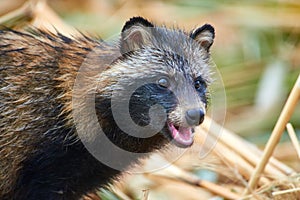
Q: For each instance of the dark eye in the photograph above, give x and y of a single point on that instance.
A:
(200, 86)
(163, 82)
(197, 85)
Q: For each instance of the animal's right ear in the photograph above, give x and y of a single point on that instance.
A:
(135, 34)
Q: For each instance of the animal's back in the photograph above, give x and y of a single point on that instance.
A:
(36, 75)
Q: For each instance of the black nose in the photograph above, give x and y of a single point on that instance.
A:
(194, 117)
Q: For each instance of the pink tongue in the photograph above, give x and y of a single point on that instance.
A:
(183, 135)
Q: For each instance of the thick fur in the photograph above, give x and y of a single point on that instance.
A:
(41, 156)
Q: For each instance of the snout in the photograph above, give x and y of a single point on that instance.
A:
(195, 116)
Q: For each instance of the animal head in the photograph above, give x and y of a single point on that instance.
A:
(165, 67)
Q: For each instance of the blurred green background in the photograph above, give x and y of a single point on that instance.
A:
(256, 50)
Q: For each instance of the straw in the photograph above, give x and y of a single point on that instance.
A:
(294, 138)
(284, 117)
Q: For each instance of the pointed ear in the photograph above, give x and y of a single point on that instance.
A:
(135, 34)
(204, 35)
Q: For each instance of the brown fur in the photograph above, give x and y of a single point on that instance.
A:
(26, 52)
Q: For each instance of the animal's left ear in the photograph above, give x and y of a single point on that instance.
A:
(204, 35)
(136, 33)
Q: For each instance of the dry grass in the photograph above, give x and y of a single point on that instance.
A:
(237, 168)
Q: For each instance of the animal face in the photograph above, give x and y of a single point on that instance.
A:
(168, 68)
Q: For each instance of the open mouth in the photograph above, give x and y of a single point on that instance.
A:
(182, 136)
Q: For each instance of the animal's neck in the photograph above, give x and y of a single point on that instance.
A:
(125, 141)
